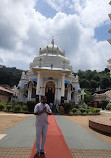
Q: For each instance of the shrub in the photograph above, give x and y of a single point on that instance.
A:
(95, 110)
(72, 102)
(70, 112)
(2, 106)
(16, 108)
(103, 104)
(67, 107)
(108, 107)
(30, 106)
(20, 103)
(14, 102)
(8, 108)
(88, 110)
(82, 110)
(61, 109)
(84, 113)
(74, 110)
(78, 112)
(24, 108)
(76, 106)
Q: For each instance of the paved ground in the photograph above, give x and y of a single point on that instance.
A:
(83, 121)
(8, 120)
(83, 144)
(78, 137)
(20, 138)
(15, 152)
(20, 135)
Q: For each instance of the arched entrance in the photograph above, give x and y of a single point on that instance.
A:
(50, 91)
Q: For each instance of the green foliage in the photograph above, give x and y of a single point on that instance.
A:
(10, 76)
(24, 108)
(67, 107)
(88, 110)
(14, 102)
(96, 110)
(70, 112)
(76, 106)
(82, 110)
(17, 108)
(30, 106)
(93, 79)
(2, 106)
(8, 107)
(84, 113)
(78, 112)
(108, 107)
(61, 109)
(72, 102)
(87, 96)
(103, 104)
(74, 110)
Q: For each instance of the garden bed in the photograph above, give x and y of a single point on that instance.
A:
(80, 114)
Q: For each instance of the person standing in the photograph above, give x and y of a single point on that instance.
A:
(41, 110)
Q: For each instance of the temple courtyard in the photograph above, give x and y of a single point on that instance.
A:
(17, 136)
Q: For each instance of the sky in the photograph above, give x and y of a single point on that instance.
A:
(80, 28)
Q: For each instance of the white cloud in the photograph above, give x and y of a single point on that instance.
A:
(59, 5)
(23, 31)
(92, 13)
(95, 13)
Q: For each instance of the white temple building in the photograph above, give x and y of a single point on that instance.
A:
(109, 40)
(50, 74)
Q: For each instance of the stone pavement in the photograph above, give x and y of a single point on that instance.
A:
(15, 152)
(82, 143)
(20, 135)
(20, 138)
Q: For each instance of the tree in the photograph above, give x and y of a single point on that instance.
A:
(87, 96)
(84, 83)
(105, 82)
(93, 84)
(10, 76)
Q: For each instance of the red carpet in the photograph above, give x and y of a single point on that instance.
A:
(55, 146)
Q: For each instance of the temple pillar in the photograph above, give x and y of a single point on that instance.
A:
(63, 87)
(30, 91)
(38, 83)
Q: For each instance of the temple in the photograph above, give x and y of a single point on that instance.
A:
(50, 74)
(109, 40)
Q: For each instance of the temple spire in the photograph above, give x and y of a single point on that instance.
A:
(52, 42)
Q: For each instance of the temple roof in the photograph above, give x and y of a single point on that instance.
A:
(5, 90)
(52, 68)
(51, 49)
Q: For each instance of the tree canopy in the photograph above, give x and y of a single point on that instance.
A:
(9, 76)
(93, 79)
(88, 79)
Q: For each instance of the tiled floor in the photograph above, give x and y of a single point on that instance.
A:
(15, 152)
(91, 153)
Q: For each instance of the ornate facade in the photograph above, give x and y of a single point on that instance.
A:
(109, 61)
(50, 74)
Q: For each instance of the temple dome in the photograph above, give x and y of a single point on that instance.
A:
(51, 55)
(51, 49)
